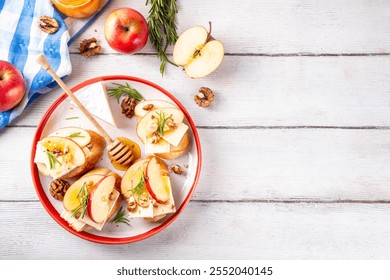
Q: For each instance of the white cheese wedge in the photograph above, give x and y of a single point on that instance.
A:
(159, 147)
(99, 226)
(143, 212)
(166, 208)
(95, 100)
(174, 137)
(73, 222)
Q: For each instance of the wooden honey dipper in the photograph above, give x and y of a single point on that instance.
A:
(120, 154)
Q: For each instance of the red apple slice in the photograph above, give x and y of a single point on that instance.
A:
(146, 106)
(70, 156)
(147, 125)
(99, 198)
(71, 200)
(128, 177)
(157, 180)
(79, 135)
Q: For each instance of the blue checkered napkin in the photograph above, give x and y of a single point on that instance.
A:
(21, 41)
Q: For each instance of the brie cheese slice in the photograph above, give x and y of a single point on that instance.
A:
(161, 146)
(72, 221)
(95, 100)
(174, 137)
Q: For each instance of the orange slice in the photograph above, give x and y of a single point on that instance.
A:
(78, 8)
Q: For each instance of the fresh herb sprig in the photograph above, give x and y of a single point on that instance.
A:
(161, 121)
(120, 217)
(71, 118)
(124, 90)
(76, 134)
(139, 188)
(52, 160)
(83, 196)
(162, 27)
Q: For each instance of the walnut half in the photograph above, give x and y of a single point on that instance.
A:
(205, 97)
(48, 24)
(89, 47)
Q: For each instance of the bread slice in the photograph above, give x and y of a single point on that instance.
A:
(90, 155)
(95, 148)
(179, 150)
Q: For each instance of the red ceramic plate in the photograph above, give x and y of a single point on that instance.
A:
(62, 113)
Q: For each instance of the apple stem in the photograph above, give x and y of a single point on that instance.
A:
(197, 52)
(123, 28)
(209, 34)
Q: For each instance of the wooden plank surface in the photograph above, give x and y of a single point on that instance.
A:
(216, 231)
(259, 91)
(295, 147)
(278, 27)
(265, 164)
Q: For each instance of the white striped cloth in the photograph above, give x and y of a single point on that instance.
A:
(21, 41)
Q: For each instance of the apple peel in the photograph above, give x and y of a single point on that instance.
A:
(198, 52)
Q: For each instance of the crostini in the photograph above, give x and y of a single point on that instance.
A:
(147, 187)
(161, 127)
(68, 152)
(92, 200)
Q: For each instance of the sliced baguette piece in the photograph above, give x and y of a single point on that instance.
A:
(79, 160)
(96, 150)
(178, 151)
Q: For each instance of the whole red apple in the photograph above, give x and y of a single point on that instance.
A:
(12, 86)
(126, 30)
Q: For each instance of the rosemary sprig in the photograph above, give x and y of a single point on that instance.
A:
(52, 160)
(83, 196)
(120, 217)
(124, 90)
(162, 27)
(161, 121)
(76, 134)
(139, 188)
(71, 118)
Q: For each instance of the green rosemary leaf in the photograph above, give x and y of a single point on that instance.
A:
(124, 90)
(162, 27)
(161, 121)
(83, 196)
(139, 188)
(52, 160)
(76, 134)
(120, 217)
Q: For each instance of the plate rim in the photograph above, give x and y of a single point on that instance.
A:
(50, 208)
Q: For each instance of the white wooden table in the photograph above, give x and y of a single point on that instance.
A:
(296, 147)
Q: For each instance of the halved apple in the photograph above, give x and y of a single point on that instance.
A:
(79, 135)
(148, 124)
(146, 106)
(57, 156)
(198, 52)
(128, 177)
(157, 180)
(99, 199)
(72, 199)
